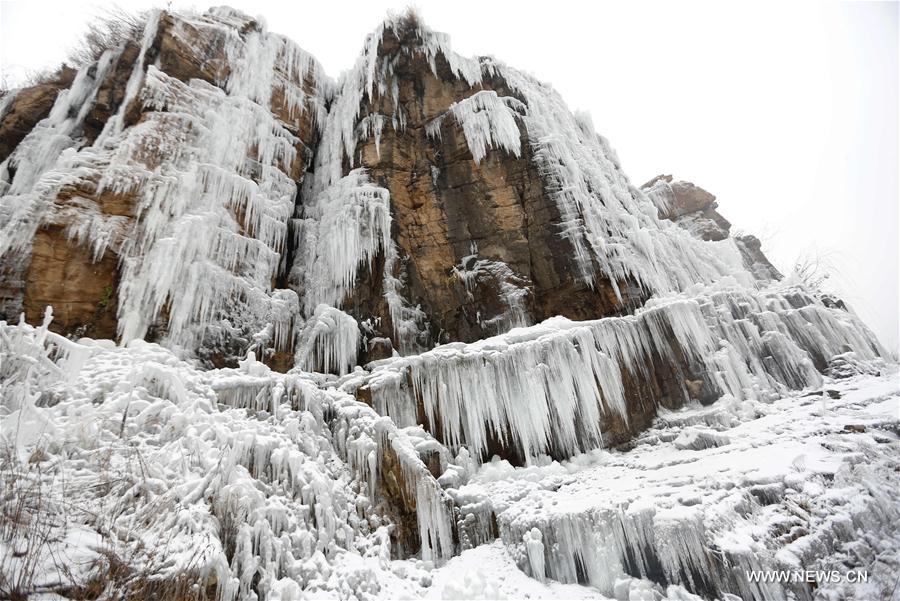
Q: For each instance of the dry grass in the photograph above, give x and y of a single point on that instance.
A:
(28, 520)
(110, 29)
(36, 506)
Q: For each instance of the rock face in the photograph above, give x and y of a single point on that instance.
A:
(476, 229)
(479, 229)
(206, 186)
(690, 206)
(113, 166)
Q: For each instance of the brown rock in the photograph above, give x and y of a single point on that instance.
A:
(445, 206)
(81, 291)
(28, 107)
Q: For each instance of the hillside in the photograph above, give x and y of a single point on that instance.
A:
(284, 337)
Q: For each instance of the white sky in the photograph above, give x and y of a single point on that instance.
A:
(787, 111)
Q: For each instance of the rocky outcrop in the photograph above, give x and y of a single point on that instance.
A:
(690, 206)
(22, 109)
(478, 237)
(755, 260)
(139, 120)
(695, 209)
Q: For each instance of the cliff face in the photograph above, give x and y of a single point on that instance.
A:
(446, 262)
(154, 199)
(485, 225)
(208, 187)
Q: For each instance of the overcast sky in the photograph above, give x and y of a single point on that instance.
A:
(787, 111)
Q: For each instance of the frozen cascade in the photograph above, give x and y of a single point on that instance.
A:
(487, 121)
(611, 223)
(346, 227)
(246, 476)
(408, 321)
(549, 388)
(371, 76)
(790, 491)
(40, 164)
(606, 218)
(348, 209)
(328, 342)
(274, 486)
(222, 218)
(210, 169)
(342, 231)
(115, 125)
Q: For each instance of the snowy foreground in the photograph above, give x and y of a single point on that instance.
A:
(129, 468)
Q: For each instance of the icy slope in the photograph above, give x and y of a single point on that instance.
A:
(246, 480)
(129, 469)
(805, 482)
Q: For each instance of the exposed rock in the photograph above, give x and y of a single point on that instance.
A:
(81, 291)
(21, 110)
(695, 209)
(754, 258)
(448, 209)
(690, 206)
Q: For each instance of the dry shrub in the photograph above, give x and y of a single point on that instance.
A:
(110, 29)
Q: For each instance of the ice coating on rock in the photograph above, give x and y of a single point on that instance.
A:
(663, 513)
(40, 163)
(278, 478)
(222, 219)
(339, 234)
(211, 168)
(548, 389)
(487, 121)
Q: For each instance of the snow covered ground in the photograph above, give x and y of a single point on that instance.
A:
(129, 462)
(806, 482)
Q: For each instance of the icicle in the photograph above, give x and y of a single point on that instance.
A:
(42, 160)
(549, 387)
(534, 547)
(609, 222)
(329, 341)
(114, 125)
(343, 231)
(487, 121)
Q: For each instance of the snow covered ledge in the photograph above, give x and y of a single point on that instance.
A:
(560, 386)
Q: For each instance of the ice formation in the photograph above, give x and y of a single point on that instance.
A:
(211, 224)
(255, 477)
(346, 227)
(657, 511)
(329, 341)
(549, 388)
(487, 121)
(268, 484)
